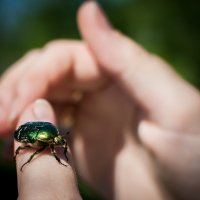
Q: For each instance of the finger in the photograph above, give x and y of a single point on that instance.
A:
(166, 97)
(43, 178)
(61, 67)
(8, 84)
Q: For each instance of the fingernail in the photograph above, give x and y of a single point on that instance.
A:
(41, 109)
(101, 18)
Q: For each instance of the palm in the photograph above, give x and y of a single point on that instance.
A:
(106, 132)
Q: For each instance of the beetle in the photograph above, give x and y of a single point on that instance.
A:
(39, 135)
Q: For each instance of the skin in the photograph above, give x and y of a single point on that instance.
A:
(136, 128)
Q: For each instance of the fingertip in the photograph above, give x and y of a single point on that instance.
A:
(107, 44)
(91, 16)
(43, 111)
(158, 140)
(85, 9)
(40, 110)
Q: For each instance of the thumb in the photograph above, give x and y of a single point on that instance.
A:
(145, 77)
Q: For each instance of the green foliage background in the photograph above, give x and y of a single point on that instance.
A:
(169, 28)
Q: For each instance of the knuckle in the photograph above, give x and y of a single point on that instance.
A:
(62, 44)
(32, 53)
(56, 45)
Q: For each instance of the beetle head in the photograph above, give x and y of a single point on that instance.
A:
(58, 140)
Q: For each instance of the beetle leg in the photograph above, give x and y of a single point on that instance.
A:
(65, 149)
(31, 157)
(53, 151)
(20, 148)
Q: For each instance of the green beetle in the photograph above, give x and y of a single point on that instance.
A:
(40, 135)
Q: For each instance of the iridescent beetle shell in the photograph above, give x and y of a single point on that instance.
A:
(39, 135)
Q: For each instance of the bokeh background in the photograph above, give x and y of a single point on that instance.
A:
(169, 28)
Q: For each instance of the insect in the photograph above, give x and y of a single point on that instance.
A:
(40, 135)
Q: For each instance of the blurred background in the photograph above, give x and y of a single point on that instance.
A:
(169, 28)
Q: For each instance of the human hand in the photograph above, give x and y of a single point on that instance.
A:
(43, 178)
(163, 116)
(136, 128)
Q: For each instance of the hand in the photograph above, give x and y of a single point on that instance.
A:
(136, 127)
